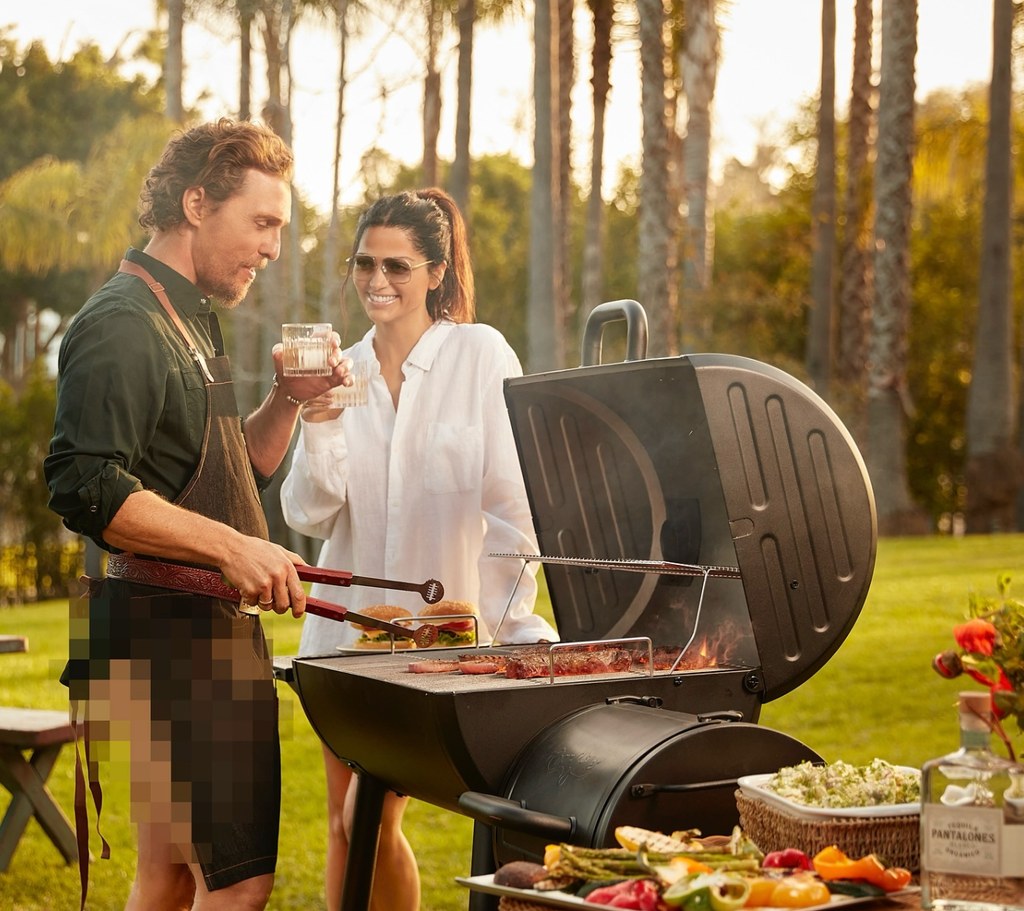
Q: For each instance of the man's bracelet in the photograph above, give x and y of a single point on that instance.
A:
(296, 402)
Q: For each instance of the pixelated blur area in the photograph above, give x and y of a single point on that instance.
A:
(178, 696)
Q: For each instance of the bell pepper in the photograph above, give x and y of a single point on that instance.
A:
(708, 892)
(831, 864)
(761, 888)
(638, 894)
(800, 890)
(788, 859)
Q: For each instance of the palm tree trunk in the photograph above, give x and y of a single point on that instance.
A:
(544, 327)
(246, 16)
(993, 468)
(593, 240)
(330, 288)
(563, 212)
(655, 224)
(174, 62)
(458, 180)
(432, 95)
(856, 274)
(823, 214)
(888, 395)
(699, 68)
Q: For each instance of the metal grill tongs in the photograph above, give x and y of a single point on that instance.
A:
(431, 591)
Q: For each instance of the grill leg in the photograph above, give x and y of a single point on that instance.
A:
(362, 849)
(482, 863)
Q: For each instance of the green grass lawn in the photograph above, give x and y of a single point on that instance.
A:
(876, 697)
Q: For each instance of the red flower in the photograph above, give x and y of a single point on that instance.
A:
(976, 635)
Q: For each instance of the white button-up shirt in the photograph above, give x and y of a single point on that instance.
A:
(424, 491)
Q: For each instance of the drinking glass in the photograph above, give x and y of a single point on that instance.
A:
(307, 347)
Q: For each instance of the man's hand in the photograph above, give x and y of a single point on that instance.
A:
(264, 572)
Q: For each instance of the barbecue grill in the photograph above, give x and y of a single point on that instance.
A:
(707, 502)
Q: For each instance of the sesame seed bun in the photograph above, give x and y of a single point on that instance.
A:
(448, 608)
(386, 612)
(455, 632)
(373, 638)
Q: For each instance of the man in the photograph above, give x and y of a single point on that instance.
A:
(150, 460)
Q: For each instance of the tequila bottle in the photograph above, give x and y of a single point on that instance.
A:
(972, 821)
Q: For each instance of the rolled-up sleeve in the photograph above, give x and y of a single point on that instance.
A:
(111, 389)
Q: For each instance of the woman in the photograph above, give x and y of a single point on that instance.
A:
(423, 481)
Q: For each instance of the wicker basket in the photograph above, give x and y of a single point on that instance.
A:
(897, 839)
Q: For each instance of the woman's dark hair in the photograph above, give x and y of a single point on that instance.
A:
(435, 225)
(214, 156)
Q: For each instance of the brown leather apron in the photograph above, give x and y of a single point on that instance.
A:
(189, 680)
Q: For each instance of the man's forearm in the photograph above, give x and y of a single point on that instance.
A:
(268, 432)
(148, 524)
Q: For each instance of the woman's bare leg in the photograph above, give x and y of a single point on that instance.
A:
(396, 880)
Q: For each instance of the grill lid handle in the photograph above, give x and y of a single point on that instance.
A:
(510, 814)
(609, 312)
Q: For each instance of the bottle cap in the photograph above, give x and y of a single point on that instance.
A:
(975, 710)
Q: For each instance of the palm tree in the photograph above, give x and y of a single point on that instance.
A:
(994, 463)
(699, 70)
(458, 178)
(888, 395)
(566, 77)
(856, 276)
(603, 12)
(545, 327)
(246, 11)
(656, 224)
(174, 60)
(823, 214)
(59, 215)
(432, 91)
(330, 289)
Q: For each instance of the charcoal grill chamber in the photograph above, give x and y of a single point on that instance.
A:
(621, 764)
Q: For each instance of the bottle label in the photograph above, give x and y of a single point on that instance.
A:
(1013, 840)
(961, 839)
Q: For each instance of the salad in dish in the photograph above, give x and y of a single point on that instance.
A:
(841, 785)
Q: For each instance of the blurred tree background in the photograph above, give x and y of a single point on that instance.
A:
(741, 278)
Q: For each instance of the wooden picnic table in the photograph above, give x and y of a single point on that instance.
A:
(30, 742)
(10, 643)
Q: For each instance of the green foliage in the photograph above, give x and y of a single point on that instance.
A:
(59, 118)
(27, 521)
(60, 109)
(758, 307)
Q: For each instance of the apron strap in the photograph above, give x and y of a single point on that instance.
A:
(81, 729)
(161, 295)
(215, 333)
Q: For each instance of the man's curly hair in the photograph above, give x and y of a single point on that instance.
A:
(214, 156)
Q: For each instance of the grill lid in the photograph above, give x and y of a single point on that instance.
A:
(706, 459)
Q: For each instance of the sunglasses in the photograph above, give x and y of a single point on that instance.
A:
(398, 271)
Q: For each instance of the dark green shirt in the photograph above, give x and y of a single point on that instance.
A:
(131, 404)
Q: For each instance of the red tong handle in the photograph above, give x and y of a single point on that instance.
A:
(326, 609)
(327, 576)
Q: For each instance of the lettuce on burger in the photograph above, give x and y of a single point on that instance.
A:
(459, 629)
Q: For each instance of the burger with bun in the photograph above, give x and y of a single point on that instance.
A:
(459, 629)
(373, 638)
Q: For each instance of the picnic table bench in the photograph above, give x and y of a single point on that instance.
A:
(13, 643)
(30, 742)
